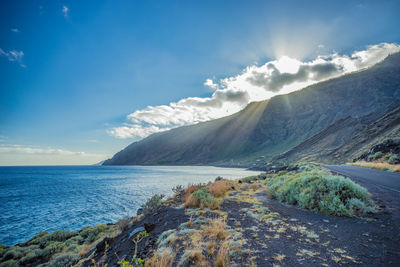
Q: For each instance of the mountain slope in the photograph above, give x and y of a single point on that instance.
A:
(269, 128)
(347, 138)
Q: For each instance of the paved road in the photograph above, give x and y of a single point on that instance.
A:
(389, 180)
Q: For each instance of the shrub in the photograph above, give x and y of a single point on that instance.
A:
(9, 263)
(123, 224)
(201, 198)
(165, 260)
(394, 159)
(64, 260)
(3, 249)
(152, 204)
(53, 247)
(375, 156)
(193, 257)
(91, 234)
(177, 190)
(219, 188)
(75, 240)
(216, 229)
(249, 179)
(222, 259)
(28, 258)
(190, 189)
(14, 252)
(319, 190)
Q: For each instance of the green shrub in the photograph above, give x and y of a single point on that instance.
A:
(14, 252)
(9, 263)
(152, 204)
(205, 199)
(44, 238)
(249, 179)
(178, 189)
(375, 156)
(90, 234)
(75, 240)
(3, 249)
(394, 159)
(319, 190)
(53, 247)
(64, 260)
(28, 258)
(37, 238)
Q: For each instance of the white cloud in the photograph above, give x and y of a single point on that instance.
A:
(16, 30)
(13, 56)
(135, 130)
(18, 149)
(65, 11)
(255, 83)
(18, 155)
(210, 83)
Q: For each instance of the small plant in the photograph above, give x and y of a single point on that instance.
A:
(137, 238)
(133, 263)
(394, 159)
(375, 156)
(178, 189)
(216, 229)
(201, 198)
(152, 204)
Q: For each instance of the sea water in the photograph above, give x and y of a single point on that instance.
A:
(49, 198)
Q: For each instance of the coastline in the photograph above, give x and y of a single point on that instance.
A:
(260, 229)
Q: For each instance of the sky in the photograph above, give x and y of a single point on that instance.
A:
(80, 80)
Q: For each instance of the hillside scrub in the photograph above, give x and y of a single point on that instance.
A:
(60, 248)
(206, 195)
(152, 204)
(317, 189)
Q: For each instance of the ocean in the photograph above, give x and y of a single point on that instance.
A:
(49, 198)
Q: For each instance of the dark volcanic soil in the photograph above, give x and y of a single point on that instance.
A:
(121, 247)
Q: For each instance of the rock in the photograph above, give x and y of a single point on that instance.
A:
(149, 226)
(136, 231)
(139, 211)
(324, 220)
(101, 246)
(219, 178)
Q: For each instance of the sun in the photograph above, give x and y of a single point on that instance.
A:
(287, 64)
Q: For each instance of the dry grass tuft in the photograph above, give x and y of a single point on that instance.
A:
(194, 257)
(219, 188)
(254, 187)
(216, 229)
(222, 259)
(189, 190)
(377, 165)
(279, 257)
(165, 260)
(211, 247)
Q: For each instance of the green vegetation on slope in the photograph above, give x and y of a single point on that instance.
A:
(317, 189)
(60, 248)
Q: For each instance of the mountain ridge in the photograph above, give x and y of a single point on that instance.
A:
(271, 127)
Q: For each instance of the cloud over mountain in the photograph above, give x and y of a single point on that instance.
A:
(255, 83)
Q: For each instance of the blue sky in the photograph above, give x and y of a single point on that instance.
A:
(72, 71)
